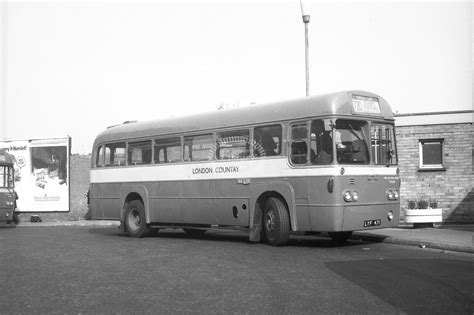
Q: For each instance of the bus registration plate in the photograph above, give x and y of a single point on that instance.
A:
(368, 223)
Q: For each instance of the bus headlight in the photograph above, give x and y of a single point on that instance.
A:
(351, 196)
(355, 196)
(393, 194)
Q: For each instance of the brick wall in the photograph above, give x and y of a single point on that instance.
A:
(452, 188)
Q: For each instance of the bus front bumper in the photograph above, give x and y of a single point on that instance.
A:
(355, 217)
(6, 215)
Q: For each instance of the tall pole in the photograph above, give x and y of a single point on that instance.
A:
(3, 67)
(306, 52)
(306, 17)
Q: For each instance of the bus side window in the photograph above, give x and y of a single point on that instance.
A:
(3, 176)
(199, 148)
(115, 154)
(233, 145)
(139, 152)
(299, 144)
(267, 140)
(100, 157)
(168, 150)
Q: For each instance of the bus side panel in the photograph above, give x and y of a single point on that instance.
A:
(323, 215)
(165, 210)
(105, 201)
(95, 205)
(165, 201)
(326, 218)
(111, 205)
(197, 203)
(300, 187)
(231, 203)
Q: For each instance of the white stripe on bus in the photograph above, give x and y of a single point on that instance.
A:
(263, 168)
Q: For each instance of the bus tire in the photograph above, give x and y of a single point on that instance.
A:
(135, 221)
(276, 222)
(340, 237)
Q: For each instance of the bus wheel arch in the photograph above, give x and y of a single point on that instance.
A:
(261, 191)
(271, 194)
(134, 219)
(129, 193)
(262, 219)
(129, 198)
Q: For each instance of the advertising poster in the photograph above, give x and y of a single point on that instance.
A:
(41, 173)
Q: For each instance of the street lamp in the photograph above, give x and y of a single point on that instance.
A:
(306, 16)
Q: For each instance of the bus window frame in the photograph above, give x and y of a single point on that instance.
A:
(320, 155)
(249, 146)
(100, 155)
(255, 142)
(306, 141)
(193, 135)
(125, 157)
(394, 155)
(168, 137)
(131, 144)
(365, 137)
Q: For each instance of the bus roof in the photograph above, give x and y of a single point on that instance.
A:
(6, 158)
(339, 103)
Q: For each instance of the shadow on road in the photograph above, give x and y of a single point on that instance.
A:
(417, 286)
(318, 241)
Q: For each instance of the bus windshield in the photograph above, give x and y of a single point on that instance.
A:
(382, 138)
(6, 176)
(351, 137)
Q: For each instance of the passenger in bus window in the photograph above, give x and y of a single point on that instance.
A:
(266, 141)
(324, 155)
(321, 143)
(299, 150)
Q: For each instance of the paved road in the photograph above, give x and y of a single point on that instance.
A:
(100, 270)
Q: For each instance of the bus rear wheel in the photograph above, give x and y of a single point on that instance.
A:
(340, 237)
(135, 220)
(276, 222)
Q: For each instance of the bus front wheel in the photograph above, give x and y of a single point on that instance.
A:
(276, 222)
(135, 220)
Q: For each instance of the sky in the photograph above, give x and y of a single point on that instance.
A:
(74, 68)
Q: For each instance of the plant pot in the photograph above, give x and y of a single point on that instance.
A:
(419, 217)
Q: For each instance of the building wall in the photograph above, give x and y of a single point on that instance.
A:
(452, 188)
